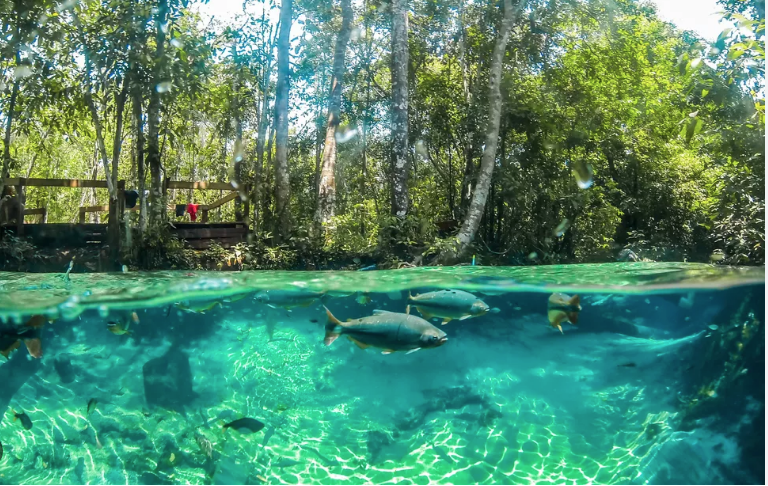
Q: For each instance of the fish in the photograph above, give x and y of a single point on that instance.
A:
(313, 321)
(390, 331)
(448, 304)
(91, 406)
(8, 344)
(34, 346)
(1, 451)
(561, 307)
(205, 445)
(245, 424)
(627, 365)
(121, 327)
(288, 298)
(37, 321)
(363, 298)
(235, 298)
(198, 308)
(22, 417)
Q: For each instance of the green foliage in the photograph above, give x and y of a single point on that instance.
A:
(673, 128)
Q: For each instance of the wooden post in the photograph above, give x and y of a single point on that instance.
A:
(22, 199)
(81, 219)
(204, 216)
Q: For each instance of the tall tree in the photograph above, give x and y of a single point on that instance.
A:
(488, 160)
(326, 195)
(156, 200)
(399, 110)
(282, 181)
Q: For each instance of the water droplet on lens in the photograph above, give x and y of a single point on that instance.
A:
(583, 173)
(345, 134)
(66, 5)
(562, 227)
(164, 87)
(22, 72)
(421, 149)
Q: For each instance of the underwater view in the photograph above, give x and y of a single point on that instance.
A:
(625, 373)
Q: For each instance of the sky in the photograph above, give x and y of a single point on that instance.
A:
(700, 16)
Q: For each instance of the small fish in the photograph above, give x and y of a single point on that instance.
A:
(9, 344)
(234, 298)
(36, 321)
(26, 422)
(197, 308)
(363, 298)
(34, 346)
(314, 321)
(288, 298)
(390, 331)
(561, 307)
(448, 304)
(628, 365)
(245, 424)
(118, 328)
(91, 406)
(205, 445)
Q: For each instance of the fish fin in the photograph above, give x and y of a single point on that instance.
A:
(388, 351)
(330, 328)
(465, 317)
(573, 317)
(378, 312)
(575, 301)
(556, 317)
(413, 350)
(560, 328)
(426, 315)
(446, 320)
(358, 343)
(272, 306)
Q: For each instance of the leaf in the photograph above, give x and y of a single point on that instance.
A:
(704, 93)
(735, 53)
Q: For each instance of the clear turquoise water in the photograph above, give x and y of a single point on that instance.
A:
(659, 383)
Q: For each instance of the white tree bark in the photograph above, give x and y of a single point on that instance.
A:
(326, 195)
(399, 108)
(480, 194)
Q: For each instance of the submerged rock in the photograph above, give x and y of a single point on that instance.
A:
(168, 381)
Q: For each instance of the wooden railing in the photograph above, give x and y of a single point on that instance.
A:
(20, 183)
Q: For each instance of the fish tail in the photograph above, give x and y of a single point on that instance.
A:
(332, 328)
(575, 301)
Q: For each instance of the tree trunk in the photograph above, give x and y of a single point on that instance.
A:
(263, 129)
(8, 125)
(326, 194)
(399, 108)
(480, 194)
(282, 182)
(141, 174)
(157, 212)
(113, 223)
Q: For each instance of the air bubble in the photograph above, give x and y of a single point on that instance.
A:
(164, 87)
(22, 72)
(583, 173)
(421, 149)
(562, 227)
(345, 134)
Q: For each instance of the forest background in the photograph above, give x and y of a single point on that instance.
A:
(402, 131)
